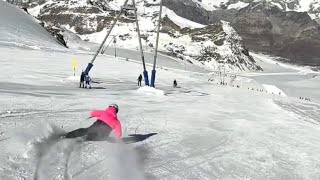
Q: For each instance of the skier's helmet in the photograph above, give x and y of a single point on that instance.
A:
(115, 106)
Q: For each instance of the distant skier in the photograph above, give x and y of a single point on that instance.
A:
(175, 84)
(87, 79)
(139, 80)
(82, 79)
(107, 121)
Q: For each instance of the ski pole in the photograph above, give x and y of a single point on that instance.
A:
(86, 118)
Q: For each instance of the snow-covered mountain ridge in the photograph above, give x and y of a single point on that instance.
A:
(179, 36)
(312, 7)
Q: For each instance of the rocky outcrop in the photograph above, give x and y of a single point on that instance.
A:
(218, 44)
(188, 9)
(292, 35)
(57, 33)
(265, 27)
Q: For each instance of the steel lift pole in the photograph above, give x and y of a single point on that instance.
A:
(153, 73)
(145, 72)
(90, 65)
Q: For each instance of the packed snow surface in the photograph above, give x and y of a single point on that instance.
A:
(205, 131)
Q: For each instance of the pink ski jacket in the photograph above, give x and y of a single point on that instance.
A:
(109, 116)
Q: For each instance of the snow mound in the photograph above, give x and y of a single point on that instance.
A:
(273, 89)
(210, 5)
(180, 21)
(151, 91)
(72, 78)
(20, 29)
(238, 5)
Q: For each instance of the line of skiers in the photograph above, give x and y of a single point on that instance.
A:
(307, 99)
(261, 90)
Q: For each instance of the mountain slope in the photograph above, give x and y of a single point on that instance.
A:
(20, 29)
(91, 20)
(264, 26)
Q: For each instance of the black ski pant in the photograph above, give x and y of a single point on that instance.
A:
(97, 131)
(81, 83)
(88, 83)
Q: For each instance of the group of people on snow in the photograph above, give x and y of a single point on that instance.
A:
(259, 90)
(85, 80)
(307, 99)
(106, 120)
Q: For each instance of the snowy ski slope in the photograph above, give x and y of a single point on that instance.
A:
(25, 33)
(205, 130)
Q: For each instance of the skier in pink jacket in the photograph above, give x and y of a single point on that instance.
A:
(107, 121)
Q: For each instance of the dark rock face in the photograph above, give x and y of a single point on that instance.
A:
(292, 35)
(56, 33)
(56, 14)
(239, 59)
(80, 18)
(188, 9)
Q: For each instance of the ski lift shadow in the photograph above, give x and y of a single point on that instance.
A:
(98, 88)
(96, 82)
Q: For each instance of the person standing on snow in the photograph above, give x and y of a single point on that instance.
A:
(82, 79)
(139, 80)
(175, 84)
(107, 121)
(87, 79)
